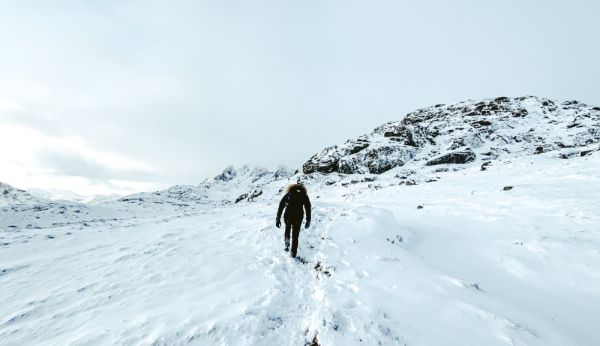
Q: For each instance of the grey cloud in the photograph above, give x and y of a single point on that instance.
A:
(69, 163)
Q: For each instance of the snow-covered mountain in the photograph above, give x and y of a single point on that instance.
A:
(62, 195)
(21, 210)
(233, 185)
(474, 223)
(9, 196)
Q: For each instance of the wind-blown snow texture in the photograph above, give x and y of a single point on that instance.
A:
(444, 246)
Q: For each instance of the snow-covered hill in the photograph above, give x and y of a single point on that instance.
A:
(469, 131)
(21, 210)
(467, 224)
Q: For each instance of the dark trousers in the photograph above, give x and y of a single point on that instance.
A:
(294, 227)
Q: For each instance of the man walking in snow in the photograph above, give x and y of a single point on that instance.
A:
(295, 201)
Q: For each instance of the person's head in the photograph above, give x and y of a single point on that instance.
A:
(298, 187)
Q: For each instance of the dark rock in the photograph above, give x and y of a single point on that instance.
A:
(507, 188)
(357, 147)
(545, 103)
(485, 165)
(379, 167)
(242, 197)
(227, 174)
(326, 166)
(419, 207)
(382, 159)
(563, 145)
(566, 156)
(348, 165)
(482, 123)
(587, 152)
(255, 193)
(520, 113)
(460, 157)
(401, 134)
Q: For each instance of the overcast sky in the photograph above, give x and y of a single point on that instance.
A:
(121, 96)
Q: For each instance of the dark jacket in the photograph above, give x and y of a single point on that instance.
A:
(295, 202)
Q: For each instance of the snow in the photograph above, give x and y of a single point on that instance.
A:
(451, 254)
(475, 265)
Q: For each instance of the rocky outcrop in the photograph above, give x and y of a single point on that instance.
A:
(228, 174)
(460, 157)
(249, 196)
(463, 133)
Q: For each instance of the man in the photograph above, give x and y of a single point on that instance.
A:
(295, 202)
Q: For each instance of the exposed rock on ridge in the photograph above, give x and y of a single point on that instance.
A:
(464, 132)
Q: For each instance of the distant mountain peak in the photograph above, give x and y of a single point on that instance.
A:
(11, 196)
(228, 173)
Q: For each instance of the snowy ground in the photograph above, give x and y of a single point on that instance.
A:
(459, 261)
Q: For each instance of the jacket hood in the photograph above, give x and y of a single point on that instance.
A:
(296, 187)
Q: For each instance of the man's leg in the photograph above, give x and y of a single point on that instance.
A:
(295, 234)
(288, 227)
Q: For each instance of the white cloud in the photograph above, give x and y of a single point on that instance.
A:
(6, 106)
(34, 160)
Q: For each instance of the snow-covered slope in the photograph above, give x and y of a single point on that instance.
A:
(478, 253)
(456, 262)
